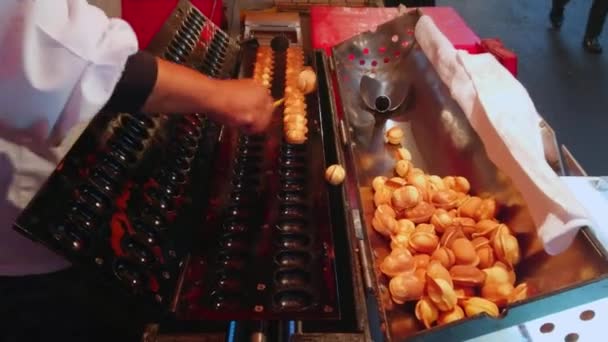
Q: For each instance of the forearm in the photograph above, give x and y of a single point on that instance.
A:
(152, 85)
(182, 90)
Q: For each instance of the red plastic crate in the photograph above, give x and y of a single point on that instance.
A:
(332, 25)
(505, 56)
(148, 16)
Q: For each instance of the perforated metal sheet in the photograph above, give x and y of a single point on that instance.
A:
(585, 323)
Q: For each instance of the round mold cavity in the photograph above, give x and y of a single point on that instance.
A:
(136, 127)
(92, 198)
(157, 197)
(69, 236)
(246, 171)
(231, 261)
(150, 220)
(249, 162)
(223, 301)
(127, 149)
(291, 162)
(128, 274)
(293, 300)
(296, 168)
(131, 142)
(189, 141)
(112, 167)
(167, 176)
(138, 251)
(248, 147)
(299, 259)
(249, 184)
(235, 227)
(194, 120)
(103, 181)
(292, 196)
(293, 210)
(228, 282)
(295, 175)
(238, 212)
(292, 278)
(122, 156)
(244, 197)
(81, 216)
(292, 226)
(145, 120)
(182, 165)
(234, 246)
(258, 138)
(182, 150)
(293, 241)
(293, 186)
(295, 154)
(293, 149)
(184, 128)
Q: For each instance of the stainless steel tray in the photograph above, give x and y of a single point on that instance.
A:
(443, 143)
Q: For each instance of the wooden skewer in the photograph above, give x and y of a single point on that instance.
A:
(278, 102)
(307, 83)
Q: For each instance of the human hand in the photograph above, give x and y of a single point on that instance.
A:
(240, 103)
(244, 104)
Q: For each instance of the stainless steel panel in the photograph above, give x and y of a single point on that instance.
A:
(442, 142)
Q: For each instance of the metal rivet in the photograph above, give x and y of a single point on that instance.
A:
(172, 253)
(158, 298)
(99, 261)
(261, 287)
(166, 275)
(328, 308)
(258, 308)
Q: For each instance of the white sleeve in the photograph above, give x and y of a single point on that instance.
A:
(59, 63)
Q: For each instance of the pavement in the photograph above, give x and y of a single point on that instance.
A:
(568, 85)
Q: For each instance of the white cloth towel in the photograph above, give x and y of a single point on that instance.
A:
(501, 112)
(59, 63)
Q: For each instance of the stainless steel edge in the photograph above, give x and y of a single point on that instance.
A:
(356, 263)
(352, 186)
(364, 251)
(351, 189)
(551, 148)
(572, 166)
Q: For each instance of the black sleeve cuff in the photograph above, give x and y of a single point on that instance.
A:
(135, 84)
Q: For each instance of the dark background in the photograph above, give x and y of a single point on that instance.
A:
(568, 85)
